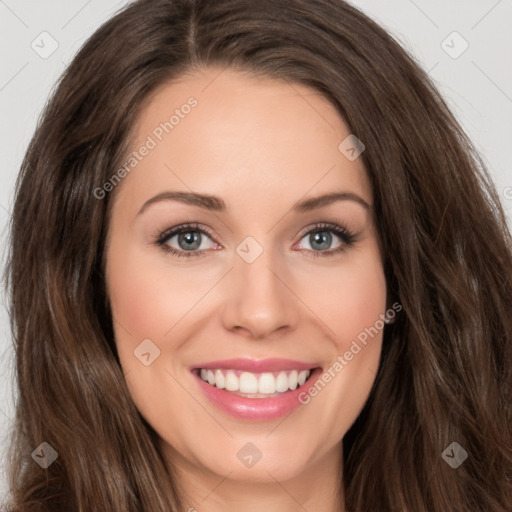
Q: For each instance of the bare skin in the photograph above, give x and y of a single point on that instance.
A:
(260, 146)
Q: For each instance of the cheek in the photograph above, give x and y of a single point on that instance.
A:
(149, 296)
(352, 307)
(349, 298)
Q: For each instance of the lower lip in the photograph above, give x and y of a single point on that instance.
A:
(256, 408)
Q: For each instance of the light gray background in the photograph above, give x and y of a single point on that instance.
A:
(477, 85)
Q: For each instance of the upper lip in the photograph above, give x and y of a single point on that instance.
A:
(255, 365)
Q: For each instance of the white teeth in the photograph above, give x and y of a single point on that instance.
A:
(255, 383)
(248, 383)
(292, 379)
(232, 382)
(282, 382)
(220, 380)
(267, 384)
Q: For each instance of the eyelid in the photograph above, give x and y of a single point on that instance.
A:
(346, 236)
(180, 228)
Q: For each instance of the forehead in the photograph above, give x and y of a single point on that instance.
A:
(225, 133)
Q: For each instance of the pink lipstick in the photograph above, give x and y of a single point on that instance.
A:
(255, 389)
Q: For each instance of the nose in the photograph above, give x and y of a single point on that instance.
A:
(260, 299)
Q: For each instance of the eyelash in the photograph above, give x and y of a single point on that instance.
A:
(344, 234)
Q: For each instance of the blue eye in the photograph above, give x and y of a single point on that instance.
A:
(191, 240)
(320, 239)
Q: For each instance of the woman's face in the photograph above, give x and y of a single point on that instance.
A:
(269, 286)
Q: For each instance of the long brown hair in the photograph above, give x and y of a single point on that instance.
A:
(446, 367)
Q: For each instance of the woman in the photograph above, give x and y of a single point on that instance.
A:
(257, 264)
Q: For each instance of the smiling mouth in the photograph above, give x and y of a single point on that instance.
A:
(254, 385)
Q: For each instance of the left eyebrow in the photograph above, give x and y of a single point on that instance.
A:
(318, 202)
